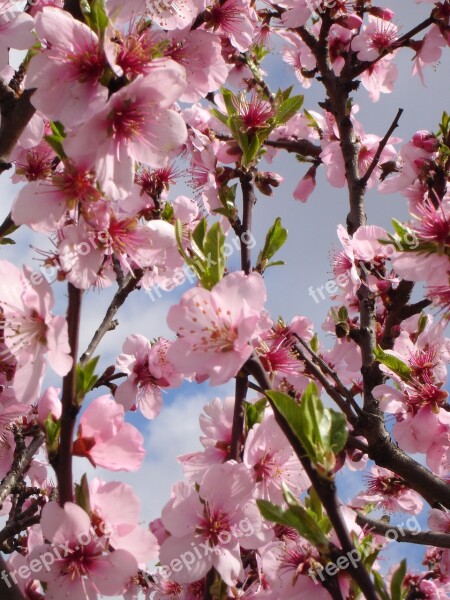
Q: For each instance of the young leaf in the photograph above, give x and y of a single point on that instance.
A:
(397, 580)
(393, 363)
(275, 239)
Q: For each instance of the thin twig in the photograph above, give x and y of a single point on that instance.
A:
(129, 284)
(381, 146)
(19, 466)
(409, 536)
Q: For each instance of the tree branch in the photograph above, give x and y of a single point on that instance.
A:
(381, 146)
(129, 284)
(326, 490)
(409, 536)
(63, 461)
(16, 112)
(20, 464)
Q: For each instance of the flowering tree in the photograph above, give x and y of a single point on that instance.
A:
(110, 105)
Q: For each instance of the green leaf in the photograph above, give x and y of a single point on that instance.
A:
(254, 413)
(215, 256)
(7, 241)
(290, 410)
(82, 495)
(397, 580)
(85, 378)
(95, 15)
(288, 109)
(52, 430)
(297, 517)
(321, 431)
(199, 234)
(393, 363)
(380, 586)
(220, 116)
(229, 99)
(275, 239)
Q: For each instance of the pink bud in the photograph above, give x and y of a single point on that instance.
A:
(426, 141)
(306, 186)
(49, 404)
(382, 13)
(350, 21)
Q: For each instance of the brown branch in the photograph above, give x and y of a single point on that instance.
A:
(20, 464)
(238, 417)
(129, 284)
(409, 536)
(73, 7)
(381, 146)
(326, 489)
(62, 463)
(302, 147)
(16, 112)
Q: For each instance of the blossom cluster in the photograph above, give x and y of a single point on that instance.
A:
(128, 98)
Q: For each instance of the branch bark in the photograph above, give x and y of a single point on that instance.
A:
(326, 490)
(16, 112)
(63, 460)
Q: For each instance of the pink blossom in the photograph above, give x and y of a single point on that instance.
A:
(219, 523)
(378, 36)
(215, 327)
(148, 371)
(85, 567)
(272, 462)
(232, 19)
(136, 124)
(67, 71)
(15, 30)
(49, 405)
(286, 565)
(380, 77)
(297, 14)
(116, 512)
(30, 329)
(106, 440)
(200, 53)
(390, 492)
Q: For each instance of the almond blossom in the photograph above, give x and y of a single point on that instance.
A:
(136, 124)
(31, 332)
(148, 371)
(216, 523)
(215, 327)
(106, 440)
(85, 567)
(67, 72)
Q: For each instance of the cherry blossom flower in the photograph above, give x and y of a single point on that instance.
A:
(30, 330)
(389, 492)
(148, 371)
(67, 71)
(106, 440)
(272, 463)
(116, 512)
(85, 567)
(215, 522)
(378, 36)
(15, 29)
(215, 327)
(135, 124)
